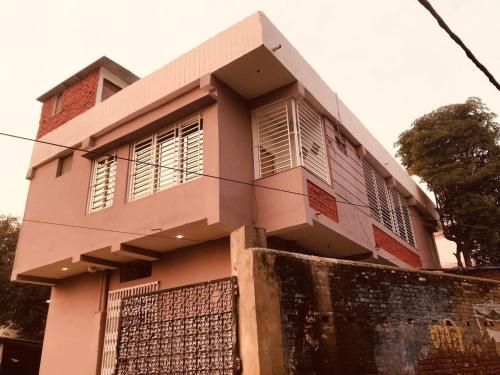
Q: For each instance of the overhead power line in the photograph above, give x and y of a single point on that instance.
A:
(100, 154)
(457, 40)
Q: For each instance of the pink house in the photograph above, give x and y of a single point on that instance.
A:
(238, 131)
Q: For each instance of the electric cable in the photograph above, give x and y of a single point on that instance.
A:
(100, 154)
(459, 41)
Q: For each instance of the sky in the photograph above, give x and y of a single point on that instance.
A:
(387, 59)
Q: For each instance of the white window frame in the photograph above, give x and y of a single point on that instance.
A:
(180, 170)
(112, 183)
(387, 205)
(303, 125)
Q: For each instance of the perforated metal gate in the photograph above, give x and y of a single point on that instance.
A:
(188, 330)
(113, 313)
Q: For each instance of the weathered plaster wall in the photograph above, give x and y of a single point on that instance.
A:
(340, 317)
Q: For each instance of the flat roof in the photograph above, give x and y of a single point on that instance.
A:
(104, 62)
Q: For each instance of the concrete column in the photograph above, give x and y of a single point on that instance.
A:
(259, 314)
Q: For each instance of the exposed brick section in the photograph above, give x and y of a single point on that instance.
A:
(396, 248)
(76, 99)
(345, 318)
(322, 202)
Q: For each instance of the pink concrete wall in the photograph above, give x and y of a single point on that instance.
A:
(225, 204)
(194, 264)
(71, 343)
(64, 200)
(235, 158)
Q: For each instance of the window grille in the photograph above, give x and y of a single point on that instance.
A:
(169, 157)
(274, 130)
(387, 205)
(312, 140)
(103, 182)
(287, 134)
(371, 189)
(113, 311)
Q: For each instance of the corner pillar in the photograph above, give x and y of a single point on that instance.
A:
(259, 311)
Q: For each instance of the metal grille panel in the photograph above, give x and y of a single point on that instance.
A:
(312, 140)
(169, 157)
(388, 205)
(103, 182)
(273, 139)
(112, 320)
(188, 330)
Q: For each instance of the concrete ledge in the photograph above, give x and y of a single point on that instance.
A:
(314, 258)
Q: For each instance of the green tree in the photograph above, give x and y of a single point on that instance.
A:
(22, 307)
(455, 151)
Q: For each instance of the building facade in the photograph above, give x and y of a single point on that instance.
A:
(157, 172)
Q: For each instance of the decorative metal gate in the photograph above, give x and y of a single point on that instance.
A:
(187, 330)
(113, 313)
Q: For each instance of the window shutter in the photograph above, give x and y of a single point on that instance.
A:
(387, 205)
(272, 141)
(407, 223)
(166, 157)
(399, 224)
(103, 182)
(385, 208)
(312, 140)
(169, 157)
(142, 168)
(191, 147)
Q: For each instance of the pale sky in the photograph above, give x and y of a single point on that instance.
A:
(387, 59)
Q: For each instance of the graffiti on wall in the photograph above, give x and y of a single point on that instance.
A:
(447, 336)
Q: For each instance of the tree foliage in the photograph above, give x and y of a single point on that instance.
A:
(22, 307)
(455, 151)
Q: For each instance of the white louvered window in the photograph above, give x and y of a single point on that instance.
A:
(170, 156)
(312, 140)
(287, 134)
(112, 322)
(103, 183)
(387, 205)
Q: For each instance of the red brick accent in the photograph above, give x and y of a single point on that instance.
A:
(396, 248)
(76, 99)
(322, 202)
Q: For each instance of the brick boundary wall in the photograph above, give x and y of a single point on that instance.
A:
(76, 99)
(323, 316)
(396, 248)
(322, 202)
